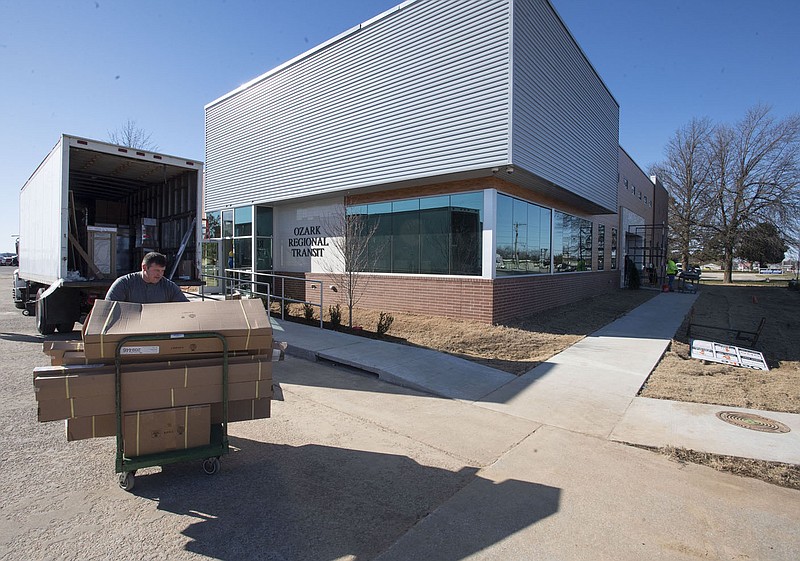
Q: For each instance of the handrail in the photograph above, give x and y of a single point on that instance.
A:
(246, 282)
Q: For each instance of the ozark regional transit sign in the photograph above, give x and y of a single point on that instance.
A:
(308, 241)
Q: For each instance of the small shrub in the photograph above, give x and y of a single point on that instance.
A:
(308, 311)
(384, 323)
(336, 315)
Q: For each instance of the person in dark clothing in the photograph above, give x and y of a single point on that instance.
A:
(148, 286)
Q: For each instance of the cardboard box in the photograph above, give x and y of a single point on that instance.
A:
(99, 426)
(74, 407)
(150, 432)
(244, 324)
(96, 426)
(64, 382)
(243, 410)
(67, 392)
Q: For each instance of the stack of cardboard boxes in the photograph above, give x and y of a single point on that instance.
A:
(171, 388)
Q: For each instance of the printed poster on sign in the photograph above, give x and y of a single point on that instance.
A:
(727, 354)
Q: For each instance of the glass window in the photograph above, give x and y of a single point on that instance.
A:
(263, 254)
(601, 247)
(572, 243)
(558, 243)
(263, 221)
(504, 253)
(213, 226)
(242, 253)
(243, 221)
(519, 231)
(523, 237)
(433, 235)
(380, 245)
(434, 240)
(545, 220)
(472, 201)
(613, 248)
(227, 223)
(405, 206)
(405, 241)
(434, 202)
(466, 229)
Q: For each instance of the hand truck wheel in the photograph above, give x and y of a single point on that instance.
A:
(211, 465)
(127, 480)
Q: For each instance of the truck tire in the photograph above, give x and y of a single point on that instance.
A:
(66, 327)
(41, 315)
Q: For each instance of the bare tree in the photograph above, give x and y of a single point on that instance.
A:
(684, 174)
(754, 176)
(357, 251)
(132, 136)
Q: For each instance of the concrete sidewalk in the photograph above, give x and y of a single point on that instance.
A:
(589, 388)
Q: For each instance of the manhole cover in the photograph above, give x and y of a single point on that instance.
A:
(752, 422)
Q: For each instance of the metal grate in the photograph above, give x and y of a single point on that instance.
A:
(752, 422)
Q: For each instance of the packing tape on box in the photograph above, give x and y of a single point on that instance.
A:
(186, 427)
(105, 327)
(94, 431)
(71, 408)
(138, 415)
(66, 385)
(172, 396)
(185, 376)
(247, 321)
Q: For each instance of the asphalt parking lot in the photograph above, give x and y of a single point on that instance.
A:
(312, 482)
(352, 468)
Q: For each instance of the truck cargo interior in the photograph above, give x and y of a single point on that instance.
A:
(120, 208)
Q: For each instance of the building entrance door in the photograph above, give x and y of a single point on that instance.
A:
(212, 265)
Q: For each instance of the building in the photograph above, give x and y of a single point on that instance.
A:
(475, 134)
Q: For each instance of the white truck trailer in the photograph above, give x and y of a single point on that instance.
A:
(89, 213)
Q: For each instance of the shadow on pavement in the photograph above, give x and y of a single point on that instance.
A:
(274, 501)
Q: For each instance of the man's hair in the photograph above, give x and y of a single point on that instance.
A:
(154, 258)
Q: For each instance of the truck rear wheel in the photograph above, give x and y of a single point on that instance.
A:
(66, 327)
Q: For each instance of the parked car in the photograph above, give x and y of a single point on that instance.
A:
(8, 259)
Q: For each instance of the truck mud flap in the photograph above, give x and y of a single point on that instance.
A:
(57, 308)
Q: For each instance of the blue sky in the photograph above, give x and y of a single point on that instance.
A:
(85, 67)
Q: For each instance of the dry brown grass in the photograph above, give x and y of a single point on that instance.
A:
(785, 475)
(515, 347)
(522, 345)
(679, 377)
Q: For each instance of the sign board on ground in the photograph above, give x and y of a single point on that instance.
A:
(728, 354)
(770, 271)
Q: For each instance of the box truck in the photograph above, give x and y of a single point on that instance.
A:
(89, 213)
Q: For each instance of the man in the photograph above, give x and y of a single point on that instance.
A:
(672, 270)
(148, 286)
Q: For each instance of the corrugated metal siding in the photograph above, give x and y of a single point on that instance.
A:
(565, 122)
(421, 92)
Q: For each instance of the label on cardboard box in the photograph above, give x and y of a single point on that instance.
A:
(143, 350)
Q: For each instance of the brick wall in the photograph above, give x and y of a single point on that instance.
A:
(466, 298)
(472, 299)
(521, 296)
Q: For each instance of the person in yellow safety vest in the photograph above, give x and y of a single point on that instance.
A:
(672, 270)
